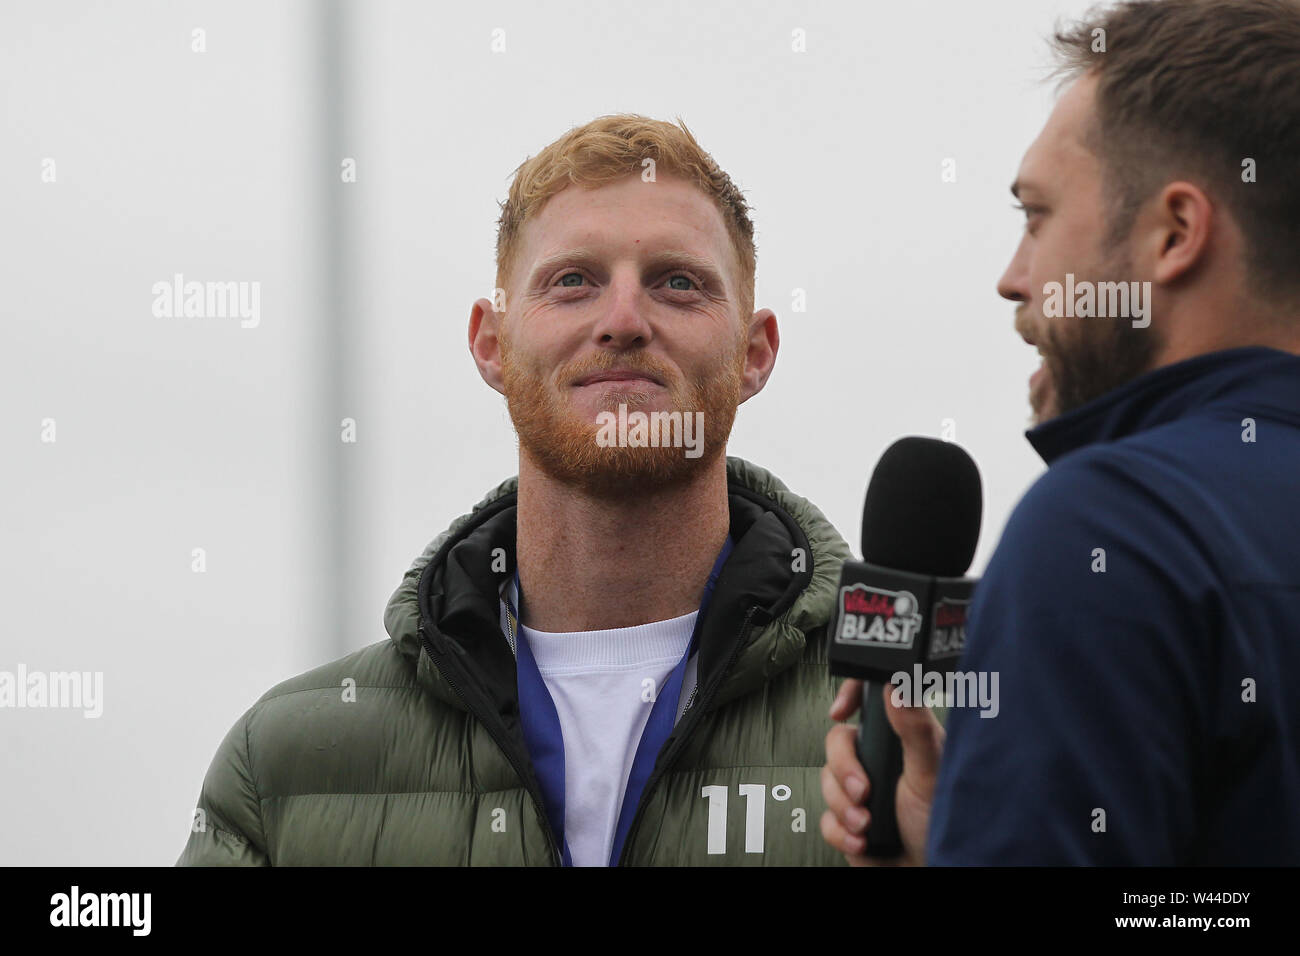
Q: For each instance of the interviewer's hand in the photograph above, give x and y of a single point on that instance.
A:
(845, 785)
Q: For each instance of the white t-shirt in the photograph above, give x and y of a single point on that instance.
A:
(604, 684)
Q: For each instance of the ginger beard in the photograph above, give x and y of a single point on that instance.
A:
(564, 445)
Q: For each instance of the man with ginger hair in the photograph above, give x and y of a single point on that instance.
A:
(617, 657)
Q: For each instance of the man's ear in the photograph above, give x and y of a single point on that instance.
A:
(761, 347)
(485, 342)
(1176, 234)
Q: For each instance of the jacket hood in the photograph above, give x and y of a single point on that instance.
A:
(781, 576)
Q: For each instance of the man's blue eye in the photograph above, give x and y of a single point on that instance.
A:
(686, 279)
(564, 279)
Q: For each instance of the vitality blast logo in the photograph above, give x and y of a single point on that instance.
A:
(876, 616)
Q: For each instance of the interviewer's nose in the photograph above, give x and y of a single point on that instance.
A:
(1014, 282)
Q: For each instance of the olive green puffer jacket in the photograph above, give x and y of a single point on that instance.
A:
(410, 751)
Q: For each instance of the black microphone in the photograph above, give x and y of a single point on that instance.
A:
(903, 607)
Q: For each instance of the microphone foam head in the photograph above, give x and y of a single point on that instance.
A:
(923, 508)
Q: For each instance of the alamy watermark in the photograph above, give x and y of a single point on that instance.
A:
(950, 689)
(652, 430)
(208, 300)
(72, 690)
(76, 908)
(1102, 300)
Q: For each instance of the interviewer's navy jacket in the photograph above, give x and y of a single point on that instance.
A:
(1148, 714)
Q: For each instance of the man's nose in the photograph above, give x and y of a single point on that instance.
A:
(622, 322)
(1014, 283)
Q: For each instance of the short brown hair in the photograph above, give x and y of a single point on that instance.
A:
(1191, 89)
(608, 149)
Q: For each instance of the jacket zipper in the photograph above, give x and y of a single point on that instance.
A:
(680, 740)
(501, 743)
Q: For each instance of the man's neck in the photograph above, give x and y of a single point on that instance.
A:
(590, 564)
(1199, 327)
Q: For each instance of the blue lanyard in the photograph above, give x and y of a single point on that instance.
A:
(541, 724)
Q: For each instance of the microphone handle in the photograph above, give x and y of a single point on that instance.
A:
(881, 754)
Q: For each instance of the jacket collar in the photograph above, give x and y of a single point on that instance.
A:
(451, 590)
(1259, 380)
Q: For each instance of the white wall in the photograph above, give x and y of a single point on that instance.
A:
(171, 434)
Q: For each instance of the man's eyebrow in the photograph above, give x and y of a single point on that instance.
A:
(1021, 185)
(689, 260)
(572, 257)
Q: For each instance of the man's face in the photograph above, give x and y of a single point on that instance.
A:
(1060, 188)
(624, 294)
